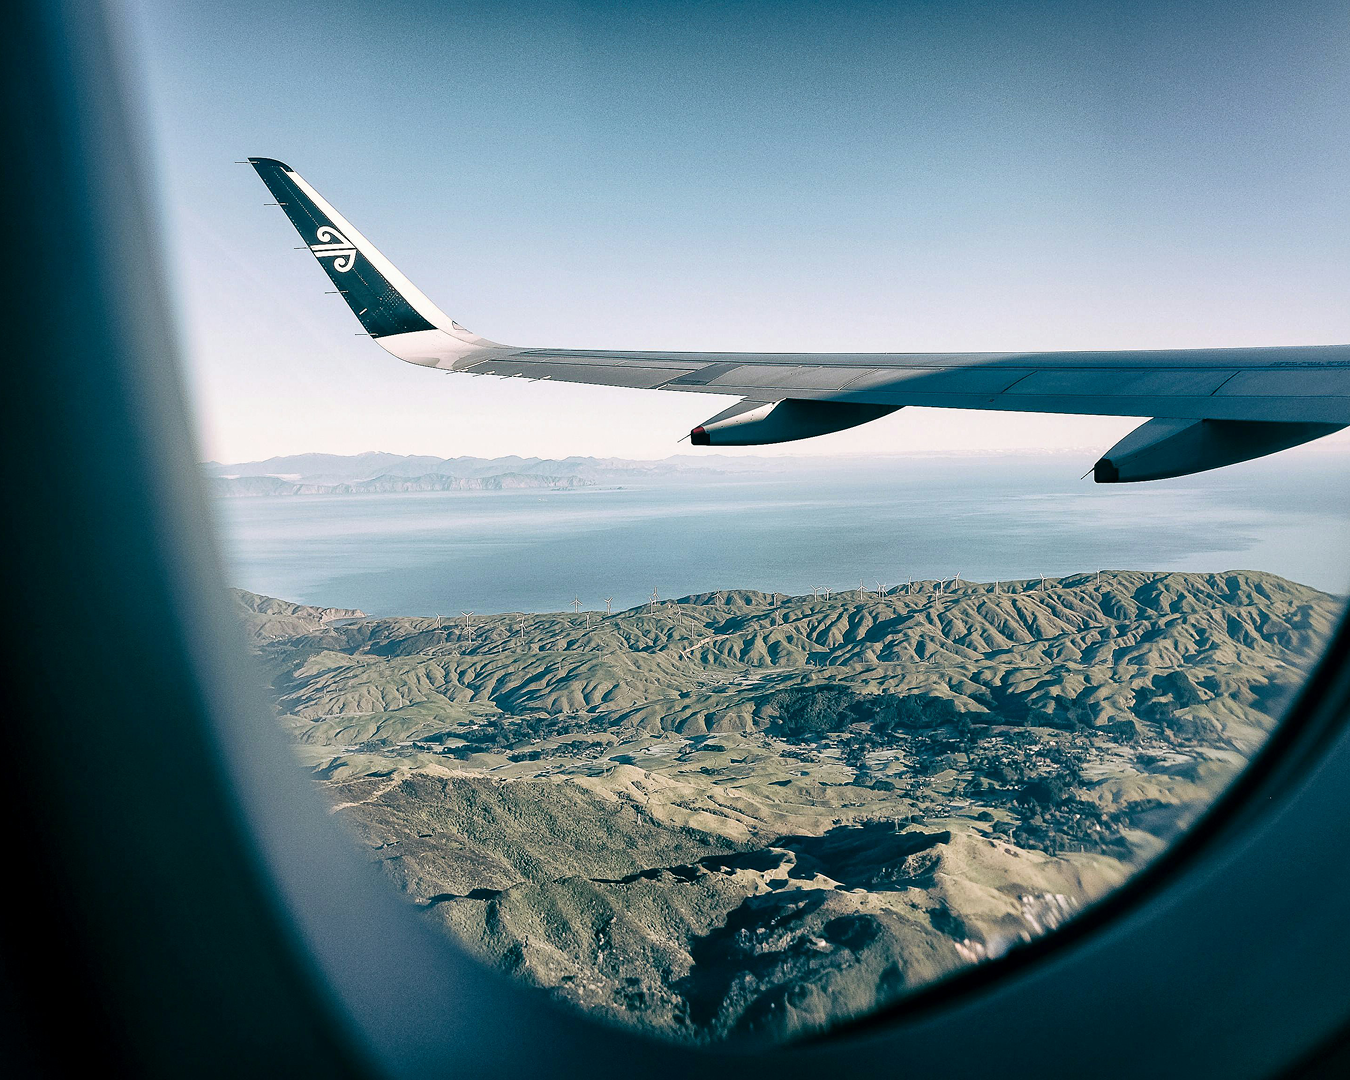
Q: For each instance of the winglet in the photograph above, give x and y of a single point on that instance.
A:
(390, 307)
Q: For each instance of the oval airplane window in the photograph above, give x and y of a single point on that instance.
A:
(1013, 514)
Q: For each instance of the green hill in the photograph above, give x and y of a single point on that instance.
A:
(748, 815)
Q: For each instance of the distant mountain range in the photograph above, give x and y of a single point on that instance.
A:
(380, 473)
(249, 486)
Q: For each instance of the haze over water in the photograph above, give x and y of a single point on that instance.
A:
(788, 526)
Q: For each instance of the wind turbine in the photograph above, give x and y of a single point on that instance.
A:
(651, 604)
(576, 604)
(608, 600)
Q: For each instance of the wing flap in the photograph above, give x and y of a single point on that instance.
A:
(963, 379)
(1310, 382)
(633, 376)
(1124, 382)
(790, 376)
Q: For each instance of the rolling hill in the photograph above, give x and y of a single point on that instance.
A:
(744, 815)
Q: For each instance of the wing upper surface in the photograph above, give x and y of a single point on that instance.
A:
(1295, 383)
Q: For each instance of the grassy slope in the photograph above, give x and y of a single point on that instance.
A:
(624, 810)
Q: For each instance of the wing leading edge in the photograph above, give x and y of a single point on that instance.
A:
(1247, 402)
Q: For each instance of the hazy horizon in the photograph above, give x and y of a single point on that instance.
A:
(748, 456)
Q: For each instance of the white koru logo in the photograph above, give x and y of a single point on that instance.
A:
(331, 242)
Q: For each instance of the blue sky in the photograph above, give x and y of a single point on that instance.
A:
(738, 176)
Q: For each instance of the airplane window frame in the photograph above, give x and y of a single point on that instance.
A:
(201, 907)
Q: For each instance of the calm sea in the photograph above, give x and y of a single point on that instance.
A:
(789, 527)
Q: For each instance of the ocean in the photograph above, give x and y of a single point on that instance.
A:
(786, 525)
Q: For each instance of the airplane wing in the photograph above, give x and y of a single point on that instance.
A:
(1210, 407)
